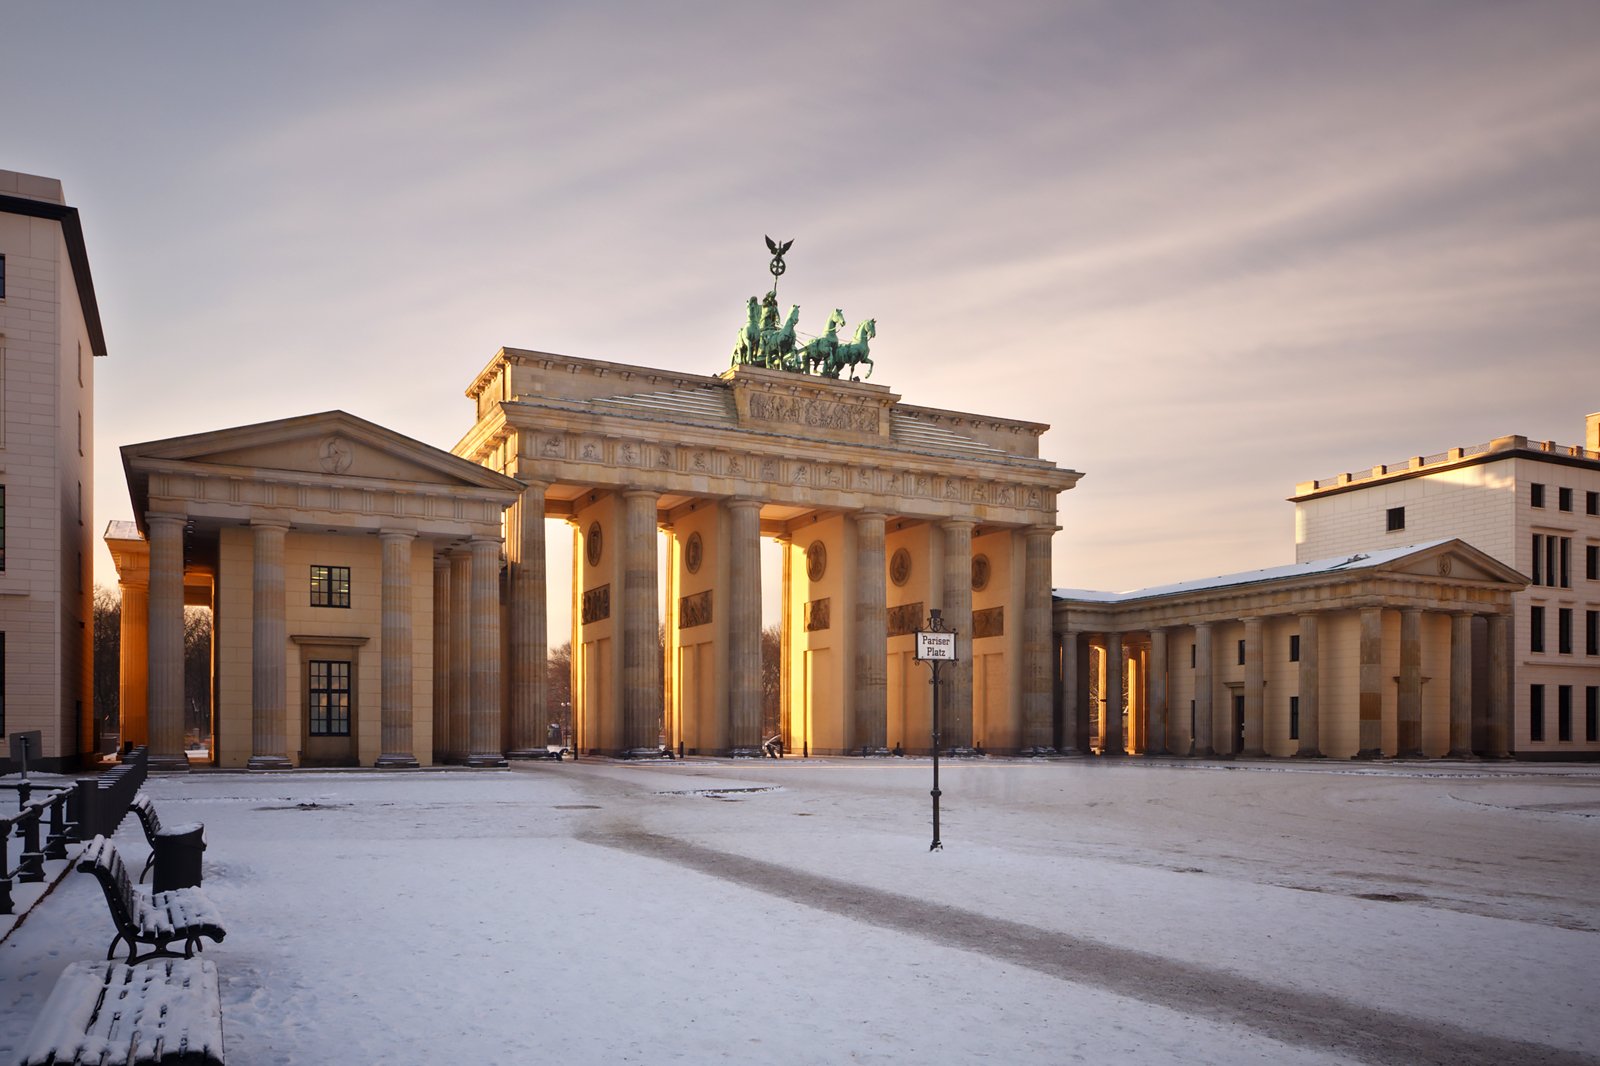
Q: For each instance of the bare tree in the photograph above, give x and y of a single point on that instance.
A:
(771, 681)
(197, 673)
(107, 659)
(558, 688)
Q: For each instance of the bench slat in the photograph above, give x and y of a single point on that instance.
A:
(168, 1011)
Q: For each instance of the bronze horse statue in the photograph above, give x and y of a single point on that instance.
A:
(853, 353)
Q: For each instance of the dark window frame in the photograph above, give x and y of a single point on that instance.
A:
(1564, 714)
(1536, 713)
(1294, 717)
(1591, 632)
(1241, 653)
(1564, 630)
(1536, 494)
(330, 585)
(329, 690)
(1294, 647)
(1563, 498)
(1591, 713)
(1591, 503)
(1536, 628)
(1395, 519)
(1591, 561)
(2, 277)
(2, 529)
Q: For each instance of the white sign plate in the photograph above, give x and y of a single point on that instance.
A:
(936, 646)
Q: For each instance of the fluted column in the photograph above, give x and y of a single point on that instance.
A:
(1255, 688)
(1111, 697)
(1155, 728)
(1498, 731)
(872, 636)
(955, 700)
(460, 653)
(641, 648)
(1460, 685)
(1409, 706)
(1204, 692)
(1036, 670)
(395, 734)
(743, 598)
(528, 633)
(269, 630)
(134, 675)
(1310, 746)
(1370, 744)
(165, 701)
(441, 657)
(485, 654)
(1074, 693)
(786, 724)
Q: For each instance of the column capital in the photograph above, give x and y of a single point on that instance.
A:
(269, 523)
(871, 515)
(957, 523)
(392, 534)
(165, 518)
(1039, 531)
(635, 491)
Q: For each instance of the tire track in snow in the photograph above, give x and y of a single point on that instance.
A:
(1293, 1016)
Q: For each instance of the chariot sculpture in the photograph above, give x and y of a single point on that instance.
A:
(767, 342)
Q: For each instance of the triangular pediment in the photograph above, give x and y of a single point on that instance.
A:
(1455, 560)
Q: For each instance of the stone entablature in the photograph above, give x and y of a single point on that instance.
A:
(1512, 447)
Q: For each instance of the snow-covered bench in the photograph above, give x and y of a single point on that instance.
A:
(107, 1013)
(150, 821)
(180, 915)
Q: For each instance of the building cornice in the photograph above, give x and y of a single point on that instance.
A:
(77, 254)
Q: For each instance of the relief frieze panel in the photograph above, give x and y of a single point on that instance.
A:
(990, 622)
(596, 604)
(817, 612)
(905, 619)
(694, 610)
(813, 413)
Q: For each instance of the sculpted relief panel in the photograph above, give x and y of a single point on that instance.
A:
(813, 413)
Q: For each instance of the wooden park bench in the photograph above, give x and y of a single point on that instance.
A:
(150, 821)
(178, 916)
(105, 1013)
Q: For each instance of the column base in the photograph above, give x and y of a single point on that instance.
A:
(1254, 753)
(396, 762)
(1040, 753)
(961, 753)
(486, 762)
(168, 763)
(263, 762)
(1461, 755)
(1148, 754)
(1311, 753)
(1416, 754)
(1113, 753)
(1368, 754)
(647, 753)
(746, 753)
(529, 753)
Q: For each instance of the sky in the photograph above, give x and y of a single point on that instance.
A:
(1219, 247)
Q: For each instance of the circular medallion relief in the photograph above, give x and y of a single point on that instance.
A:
(1444, 566)
(980, 573)
(592, 544)
(693, 551)
(900, 566)
(816, 560)
(335, 455)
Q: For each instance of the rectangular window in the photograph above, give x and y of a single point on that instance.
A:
(1591, 712)
(1538, 558)
(1536, 629)
(2, 277)
(330, 586)
(2, 528)
(1535, 712)
(1564, 713)
(1563, 499)
(1591, 503)
(1566, 562)
(1564, 630)
(2, 684)
(1241, 653)
(1591, 632)
(330, 698)
(1294, 717)
(1192, 648)
(1591, 561)
(1396, 518)
(1294, 647)
(80, 432)
(1537, 492)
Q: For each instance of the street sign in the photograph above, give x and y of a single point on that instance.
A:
(936, 646)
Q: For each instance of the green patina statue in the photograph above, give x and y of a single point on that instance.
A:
(765, 342)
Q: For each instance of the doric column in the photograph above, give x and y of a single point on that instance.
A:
(165, 701)
(1204, 689)
(1155, 728)
(395, 740)
(872, 636)
(527, 636)
(786, 726)
(743, 598)
(1310, 682)
(1370, 744)
(441, 657)
(485, 654)
(955, 700)
(1460, 685)
(1409, 706)
(1036, 644)
(134, 680)
(641, 647)
(1074, 694)
(1111, 697)
(1255, 688)
(460, 653)
(1498, 731)
(269, 629)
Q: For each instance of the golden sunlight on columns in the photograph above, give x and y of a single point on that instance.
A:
(1409, 717)
(744, 626)
(395, 735)
(1204, 692)
(460, 653)
(441, 657)
(1111, 697)
(133, 690)
(792, 740)
(872, 636)
(1037, 674)
(269, 629)
(485, 654)
(165, 700)
(1497, 734)
(641, 651)
(1370, 744)
(1156, 718)
(1460, 685)
(527, 626)
(955, 713)
(1255, 688)
(1310, 743)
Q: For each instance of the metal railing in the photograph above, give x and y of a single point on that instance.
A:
(33, 804)
(100, 803)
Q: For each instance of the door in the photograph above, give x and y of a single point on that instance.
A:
(330, 713)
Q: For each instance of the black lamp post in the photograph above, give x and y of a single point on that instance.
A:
(935, 655)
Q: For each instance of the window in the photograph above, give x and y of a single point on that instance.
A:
(1536, 629)
(1591, 562)
(1563, 499)
(3, 686)
(2, 528)
(1241, 653)
(1294, 717)
(330, 698)
(1591, 503)
(1294, 647)
(80, 432)
(1537, 492)
(1396, 518)
(330, 586)
(2, 277)
(1591, 632)
(1552, 560)
(1564, 713)
(1191, 655)
(1564, 630)
(1591, 713)
(1535, 712)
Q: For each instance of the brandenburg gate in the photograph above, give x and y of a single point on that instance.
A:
(883, 511)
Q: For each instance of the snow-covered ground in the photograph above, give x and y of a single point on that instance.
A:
(791, 912)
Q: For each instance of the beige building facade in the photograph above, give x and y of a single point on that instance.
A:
(1532, 505)
(50, 335)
